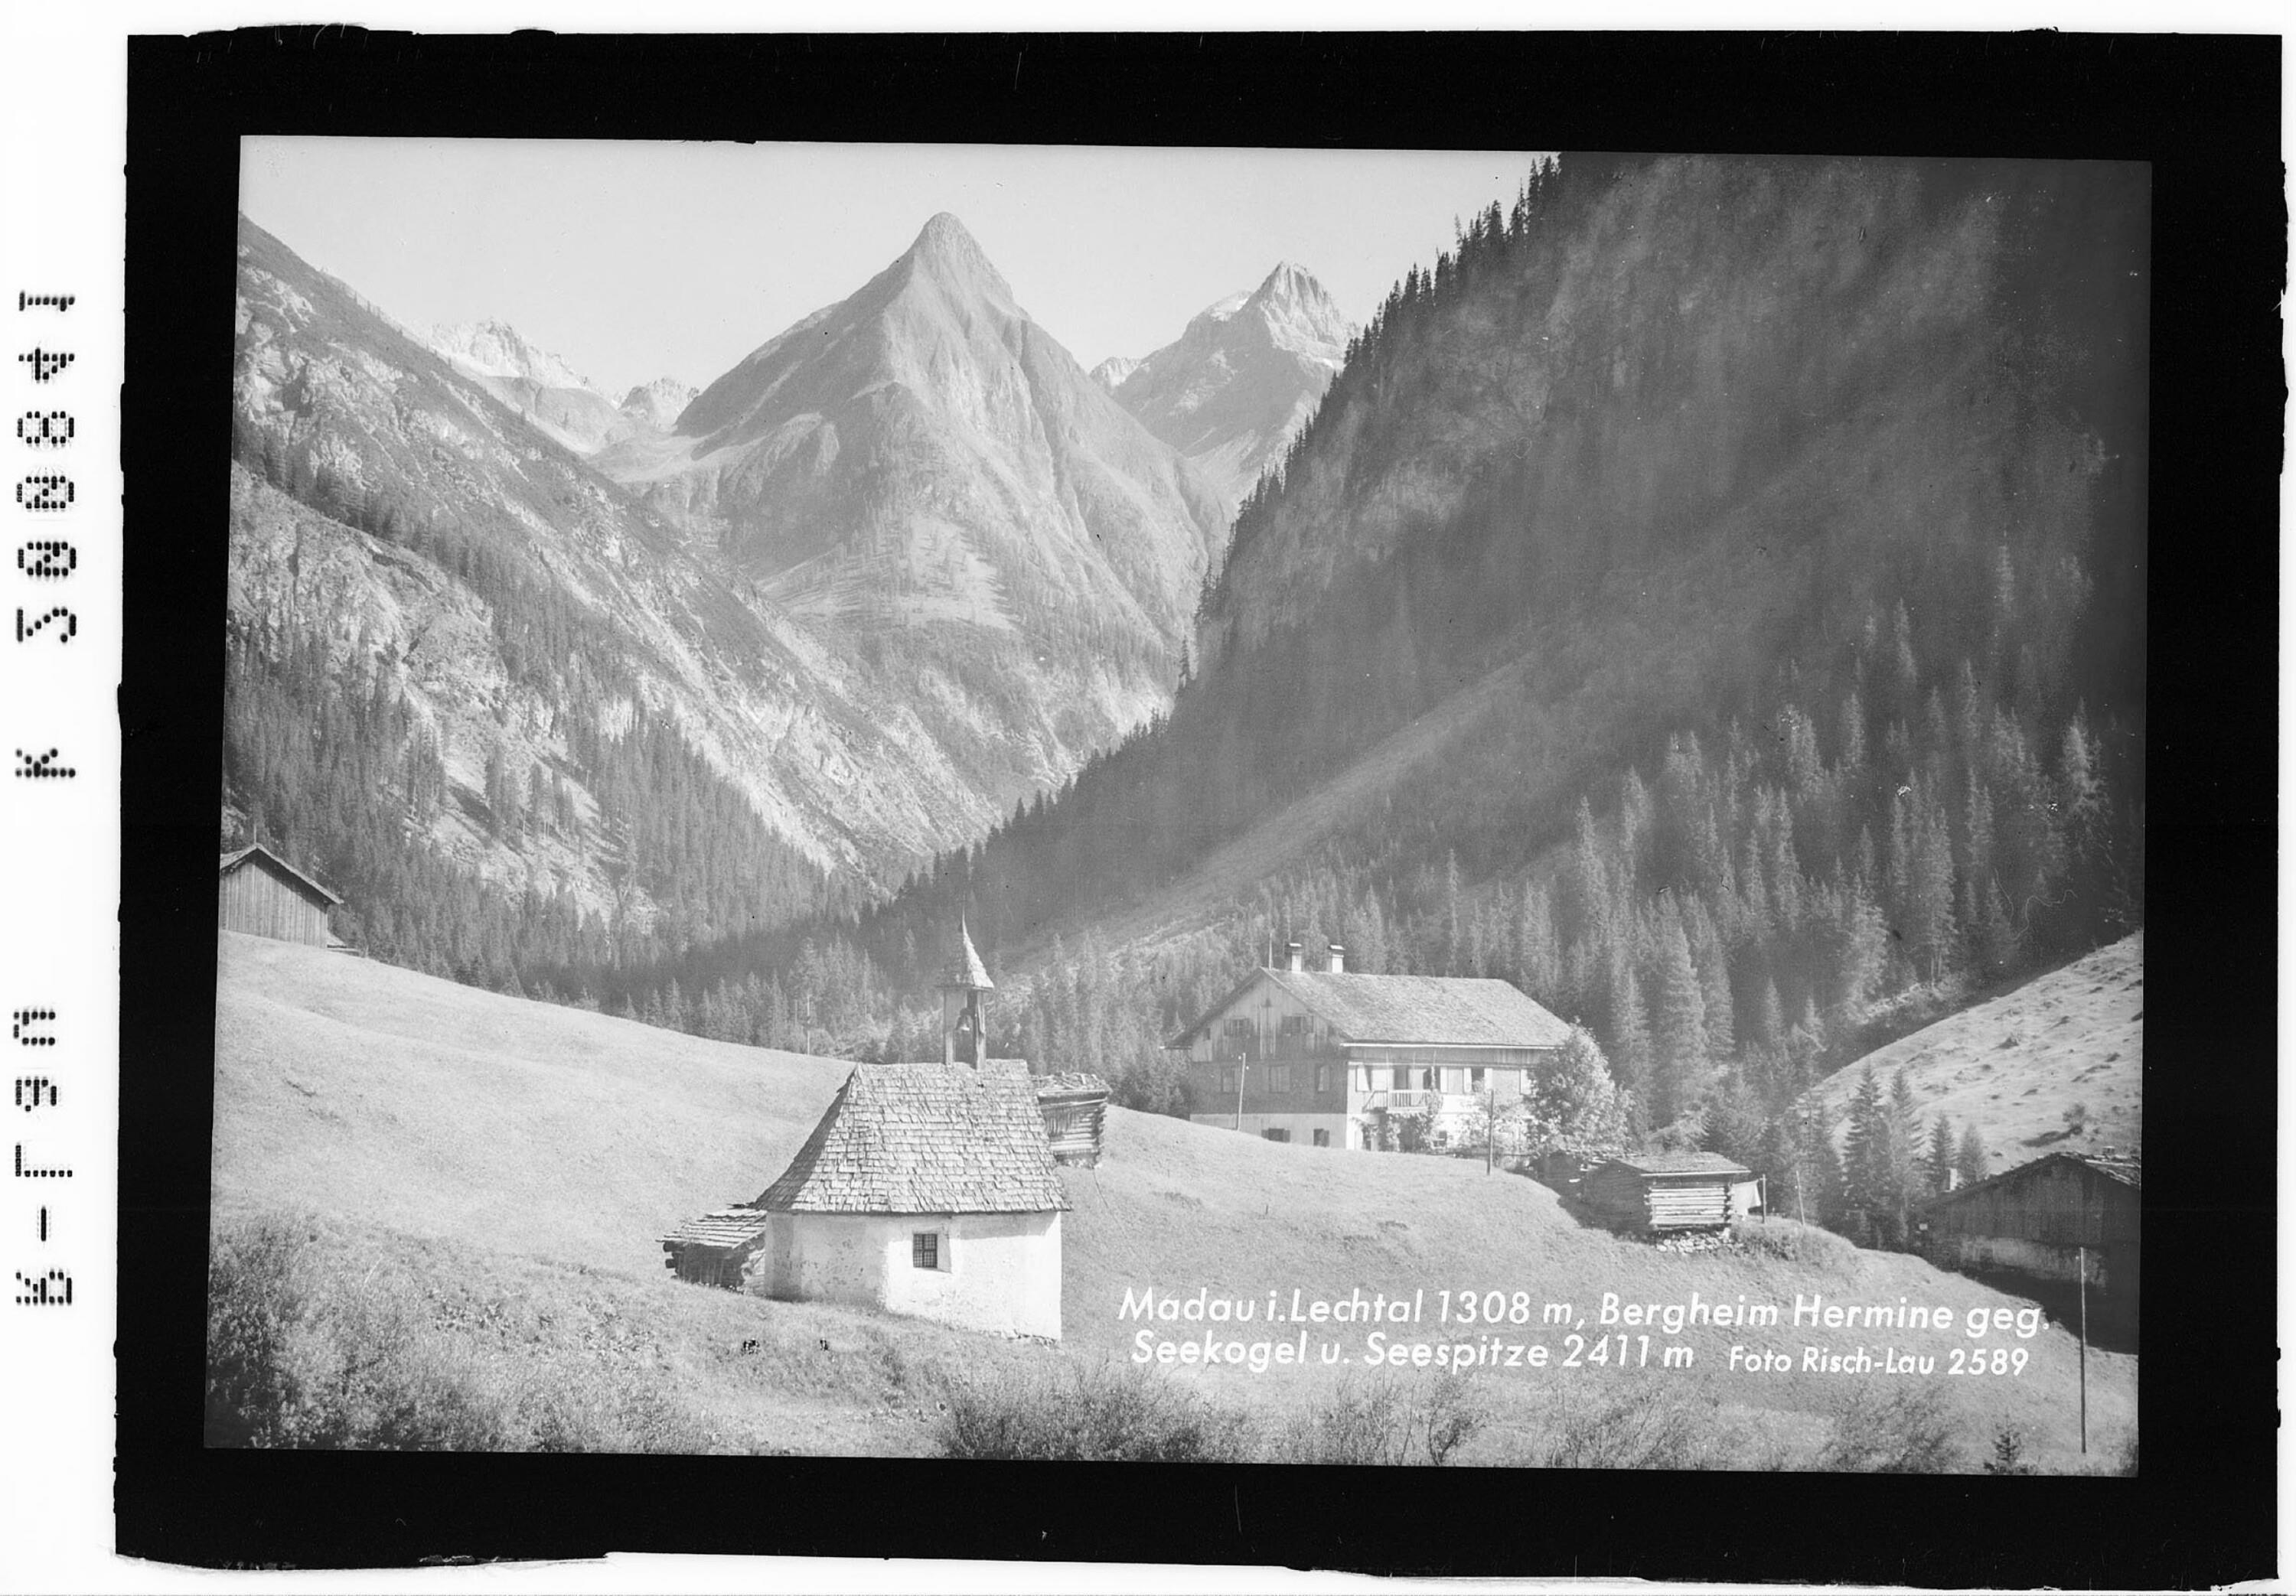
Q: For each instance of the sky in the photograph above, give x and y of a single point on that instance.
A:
(637, 260)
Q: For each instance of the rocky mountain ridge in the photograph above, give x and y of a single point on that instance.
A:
(997, 590)
(1234, 390)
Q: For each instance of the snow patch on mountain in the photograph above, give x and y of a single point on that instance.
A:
(496, 348)
(1238, 384)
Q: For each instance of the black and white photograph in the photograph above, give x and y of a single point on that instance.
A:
(986, 801)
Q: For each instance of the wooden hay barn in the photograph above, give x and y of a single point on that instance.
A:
(1074, 1105)
(261, 894)
(2035, 1220)
(711, 1250)
(1668, 1191)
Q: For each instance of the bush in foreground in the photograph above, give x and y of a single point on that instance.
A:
(303, 1354)
(1104, 1414)
(1384, 1421)
(1795, 1242)
(1907, 1430)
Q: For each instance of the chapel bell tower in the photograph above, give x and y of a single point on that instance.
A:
(961, 1037)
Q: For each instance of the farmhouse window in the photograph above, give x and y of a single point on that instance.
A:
(1279, 1078)
(1475, 1079)
(1238, 1026)
(1273, 1135)
(1453, 1081)
(1323, 1138)
(1295, 1024)
(1323, 1077)
(924, 1249)
(1228, 1078)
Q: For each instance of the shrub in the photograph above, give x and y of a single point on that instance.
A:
(301, 1354)
(1641, 1427)
(255, 1302)
(1384, 1421)
(1907, 1430)
(1108, 1413)
(1795, 1242)
(2008, 1452)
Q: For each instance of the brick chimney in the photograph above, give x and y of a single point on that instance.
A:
(1338, 964)
(1291, 956)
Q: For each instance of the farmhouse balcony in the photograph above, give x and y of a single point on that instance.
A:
(1443, 1104)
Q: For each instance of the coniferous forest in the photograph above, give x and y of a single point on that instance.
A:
(1709, 597)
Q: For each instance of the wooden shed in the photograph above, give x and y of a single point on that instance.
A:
(2036, 1221)
(1075, 1108)
(1667, 1192)
(261, 894)
(711, 1250)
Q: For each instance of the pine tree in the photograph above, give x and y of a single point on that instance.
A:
(1901, 1176)
(1630, 1035)
(1733, 1123)
(1679, 1066)
(1538, 960)
(1769, 1017)
(1970, 1158)
(1940, 1167)
(1706, 952)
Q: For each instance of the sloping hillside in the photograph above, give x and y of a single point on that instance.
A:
(2018, 1065)
(459, 1114)
(513, 1162)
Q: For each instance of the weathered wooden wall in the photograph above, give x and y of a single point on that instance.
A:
(252, 899)
(1658, 1202)
(2034, 1223)
(1074, 1130)
(2062, 1204)
(1681, 1201)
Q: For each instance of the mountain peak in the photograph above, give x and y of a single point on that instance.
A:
(493, 348)
(1289, 277)
(945, 250)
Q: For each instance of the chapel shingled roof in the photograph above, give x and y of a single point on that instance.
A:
(1425, 1011)
(923, 1139)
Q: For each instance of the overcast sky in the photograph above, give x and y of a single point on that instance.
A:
(638, 260)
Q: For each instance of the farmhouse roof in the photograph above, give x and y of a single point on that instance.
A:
(262, 854)
(1414, 1011)
(1697, 1163)
(923, 1139)
(2125, 1172)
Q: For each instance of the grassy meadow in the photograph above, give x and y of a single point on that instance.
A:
(2054, 1064)
(435, 1211)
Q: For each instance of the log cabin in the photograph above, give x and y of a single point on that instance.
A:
(1328, 1058)
(1659, 1193)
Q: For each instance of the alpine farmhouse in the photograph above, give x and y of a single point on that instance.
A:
(1326, 1059)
